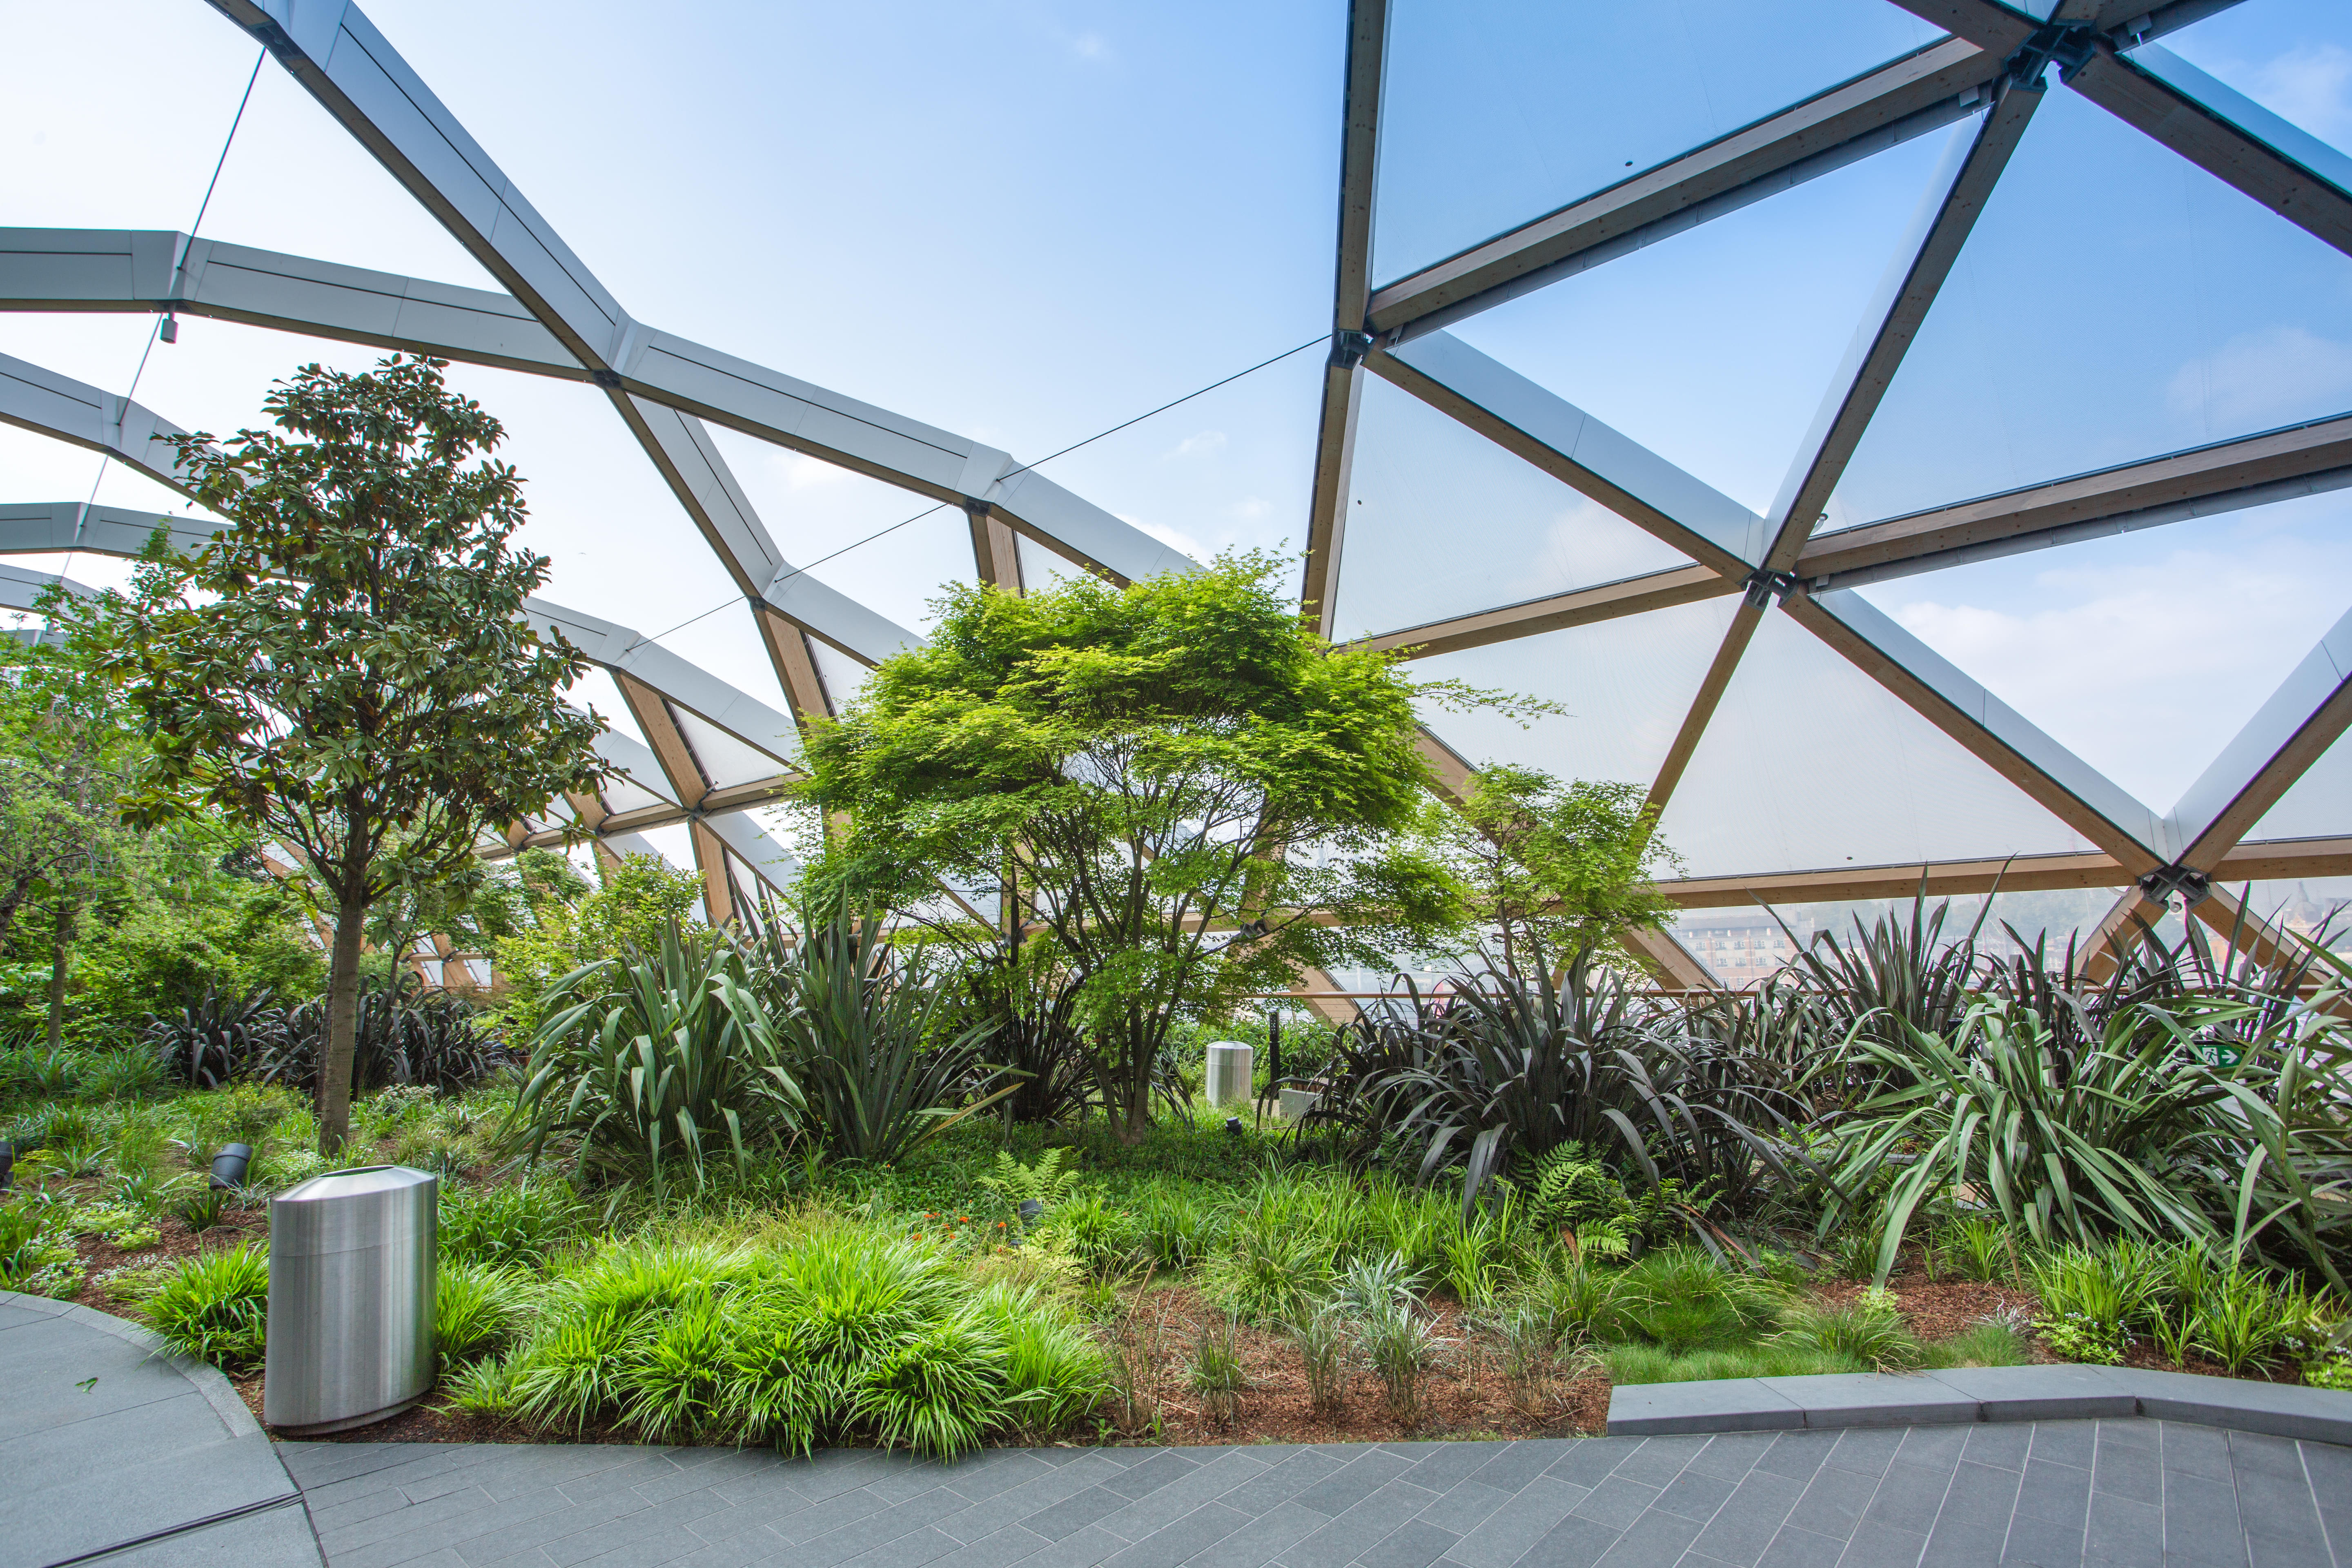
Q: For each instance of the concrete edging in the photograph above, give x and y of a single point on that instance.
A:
(206, 1380)
(1978, 1394)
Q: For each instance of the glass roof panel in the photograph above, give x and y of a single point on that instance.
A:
(2076, 639)
(1230, 469)
(1712, 347)
(1741, 945)
(2307, 906)
(1496, 113)
(1040, 567)
(2222, 318)
(844, 677)
(1442, 522)
(1809, 764)
(674, 842)
(2316, 805)
(889, 548)
(2292, 58)
(596, 691)
(1625, 685)
(725, 759)
(623, 793)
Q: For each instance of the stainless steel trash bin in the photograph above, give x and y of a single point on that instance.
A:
(351, 1258)
(1229, 1072)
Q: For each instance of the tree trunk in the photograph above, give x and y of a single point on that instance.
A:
(342, 1026)
(60, 957)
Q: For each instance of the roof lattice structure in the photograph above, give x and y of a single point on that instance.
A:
(1999, 198)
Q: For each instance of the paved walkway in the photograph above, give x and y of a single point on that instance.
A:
(107, 1449)
(2134, 1492)
(107, 1443)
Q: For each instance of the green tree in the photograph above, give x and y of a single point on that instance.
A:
(1190, 793)
(345, 667)
(569, 925)
(1556, 866)
(66, 752)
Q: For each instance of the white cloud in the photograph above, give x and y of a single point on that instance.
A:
(1175, 538)
(2310, 85)
(1197, 444)
(2263, 377)
(2151, 668)
(1249, 508)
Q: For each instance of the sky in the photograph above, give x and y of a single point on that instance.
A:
(1028, 222)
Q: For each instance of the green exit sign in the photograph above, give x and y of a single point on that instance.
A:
(2216, 1054)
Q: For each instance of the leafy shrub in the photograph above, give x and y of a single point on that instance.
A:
(1372, 1285)
(476, 1309)
(145, 1190)
(507, 1226)
(2247, 1320)
(433, 1041)
(31, 1245)
(1572, 1190)
(133, 1072)
(1099, 1233)
(1507, 1068)
(861, 1034)
(650, 1062)
(2076, 1135)
(41, 1073)
(1568, 1296)
(215, 1036)
(201, 1208)
(1982, 1248)
(215, 1307)
(1321, 1335)
(1176, 1227)
(1400, 1345)
(2089, 1297)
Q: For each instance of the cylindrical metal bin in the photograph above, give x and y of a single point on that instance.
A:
(351, 1258)
(1229, 1072)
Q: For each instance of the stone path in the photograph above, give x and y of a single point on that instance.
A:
(2135, 1492)
(105, 1442)
(111, 1452)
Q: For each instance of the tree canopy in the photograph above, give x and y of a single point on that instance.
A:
(1189, 792)
(345, 667)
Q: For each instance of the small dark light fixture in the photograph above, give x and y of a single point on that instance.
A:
(1233, 1125)
(7, 1167)
(1031, 1211)
(170, 332)
(228, 1166)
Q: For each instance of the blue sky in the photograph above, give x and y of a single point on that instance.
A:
(1025, 222)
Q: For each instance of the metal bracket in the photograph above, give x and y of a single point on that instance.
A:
(610, 379)
(2071, 44)
(1764, 587)
(1348, 348)
(2168, 883)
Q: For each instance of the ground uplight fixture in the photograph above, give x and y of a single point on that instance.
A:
(228, 1165)
(1233, 1125)
(8, 1166)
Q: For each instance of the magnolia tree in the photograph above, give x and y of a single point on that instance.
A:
(1187, 794)
(345, 667)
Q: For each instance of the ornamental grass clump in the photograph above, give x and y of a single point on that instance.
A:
(833, 1332)
(215, 1307)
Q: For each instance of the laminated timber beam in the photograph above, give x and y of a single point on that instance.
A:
(2279, 861)
(2302, 459)
(1921, 92)
(2309, 712)
(1606, 601)
(1870, 369)
(1598, 462)
(2223, 133)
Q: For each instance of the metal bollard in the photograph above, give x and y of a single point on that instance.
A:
(352, 1262)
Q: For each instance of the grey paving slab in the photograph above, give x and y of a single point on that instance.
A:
(2095, 1488)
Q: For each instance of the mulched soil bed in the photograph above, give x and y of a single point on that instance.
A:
(1465, 1395)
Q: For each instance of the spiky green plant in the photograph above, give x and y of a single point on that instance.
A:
(652, 1062)
(215, 1307)
(476, 1309)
